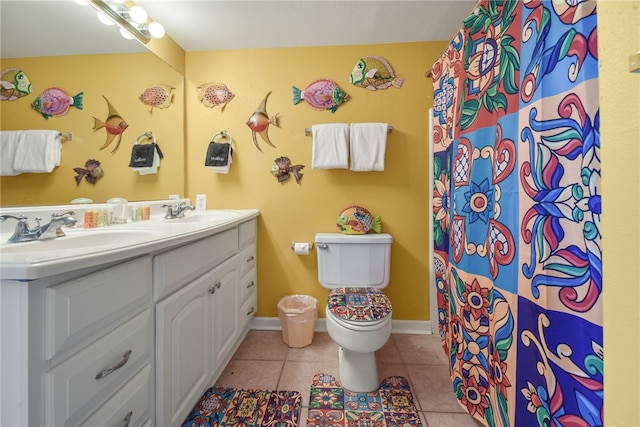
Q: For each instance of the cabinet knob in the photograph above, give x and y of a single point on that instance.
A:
(127, 419)
(212, 290)
(218, 284)
(120, 364)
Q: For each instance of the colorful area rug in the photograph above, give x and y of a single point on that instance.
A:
(220, 406)
(391, 405)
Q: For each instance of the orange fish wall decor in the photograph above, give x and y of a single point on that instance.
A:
(114, 125)
(259, 123)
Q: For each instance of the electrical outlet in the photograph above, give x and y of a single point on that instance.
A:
(201, 202)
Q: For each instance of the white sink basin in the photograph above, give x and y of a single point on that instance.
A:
(77, 239)
(206, 216)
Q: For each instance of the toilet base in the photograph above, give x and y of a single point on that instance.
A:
(358, 371)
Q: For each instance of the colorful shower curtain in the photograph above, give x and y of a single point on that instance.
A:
(516, 211)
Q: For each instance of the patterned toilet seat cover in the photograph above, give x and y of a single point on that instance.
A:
(359, 304)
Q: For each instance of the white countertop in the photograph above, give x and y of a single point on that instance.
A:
(82, 248)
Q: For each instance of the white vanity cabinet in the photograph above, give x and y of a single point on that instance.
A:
(132, 340)
(201, 323)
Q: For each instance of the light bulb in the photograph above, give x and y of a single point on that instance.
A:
(105, 19)
(138, 14)
(124, 33)
(156, 30)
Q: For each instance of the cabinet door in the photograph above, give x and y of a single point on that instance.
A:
(183, 350)
(225, 308)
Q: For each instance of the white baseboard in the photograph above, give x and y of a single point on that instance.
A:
(419, 327)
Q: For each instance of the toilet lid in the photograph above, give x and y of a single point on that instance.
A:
(359, 304)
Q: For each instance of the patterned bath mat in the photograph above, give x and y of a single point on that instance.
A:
(391, 405)
(226, 407)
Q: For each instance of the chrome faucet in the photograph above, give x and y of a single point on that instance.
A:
(177, 211)
(51, 230)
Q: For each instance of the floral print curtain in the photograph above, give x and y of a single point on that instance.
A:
(516, 213)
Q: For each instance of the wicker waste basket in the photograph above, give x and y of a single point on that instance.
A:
(297, 315)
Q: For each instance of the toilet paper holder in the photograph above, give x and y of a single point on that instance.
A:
(293, 245)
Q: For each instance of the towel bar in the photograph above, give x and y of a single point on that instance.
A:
(66, 136)
(307, 131)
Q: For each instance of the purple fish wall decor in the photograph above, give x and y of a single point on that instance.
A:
(114, 125)
(55, 102)
(323, 94)
(259, 123)
(92, 172)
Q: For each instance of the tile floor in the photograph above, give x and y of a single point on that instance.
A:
(263, 361)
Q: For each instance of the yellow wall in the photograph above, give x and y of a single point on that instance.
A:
(121, 78)
(295, 212)
(618, 38)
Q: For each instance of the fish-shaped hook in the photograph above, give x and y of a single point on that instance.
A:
(114, 125)
(259, 123)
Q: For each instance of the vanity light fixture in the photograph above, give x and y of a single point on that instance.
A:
(131, 20)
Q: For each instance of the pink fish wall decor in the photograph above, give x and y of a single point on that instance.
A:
(212, 94)
(259, 123)
(56, 102)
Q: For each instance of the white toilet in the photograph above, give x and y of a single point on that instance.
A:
(358, 314)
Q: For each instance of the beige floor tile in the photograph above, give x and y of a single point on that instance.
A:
(321, 348)
(262, 345)
(421, 349)
(298, 375)
(431, 385)
(389, 353)
(448, 419)
(251, 374)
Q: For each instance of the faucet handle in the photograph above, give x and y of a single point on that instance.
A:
(61, 215)
(21, 218)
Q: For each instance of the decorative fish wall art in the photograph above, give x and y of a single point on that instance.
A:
(158, 95)
(259, 123)
(283, 169)
(114, 125)
(358, 220)
(55, 102)
(374, 72)
(14, 84)
(92, 172)
(323, 94)
(213, 94)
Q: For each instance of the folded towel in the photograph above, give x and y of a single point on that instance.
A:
(34, 151)
(330, 146)
(219, 157)
(145, 158)
(368, 142)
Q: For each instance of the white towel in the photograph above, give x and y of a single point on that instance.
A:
(150, 169)
(35, 151)
(368, 143)
(330, 146)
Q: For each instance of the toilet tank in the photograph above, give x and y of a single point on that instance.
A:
(353, 260)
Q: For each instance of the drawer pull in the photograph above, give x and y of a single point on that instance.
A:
(120, 364)
(127, 419)
(251, 285)
(251, 258)
(251, 310)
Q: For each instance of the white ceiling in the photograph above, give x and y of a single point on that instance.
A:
(62, 27)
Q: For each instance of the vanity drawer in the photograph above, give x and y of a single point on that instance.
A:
(247, 232)
(95, 372)
(130, 406)
(247, 260)
(175, 268)
(248, 310)
(248, 284)
(79, 309)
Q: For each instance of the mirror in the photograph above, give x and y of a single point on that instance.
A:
(115, 68)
